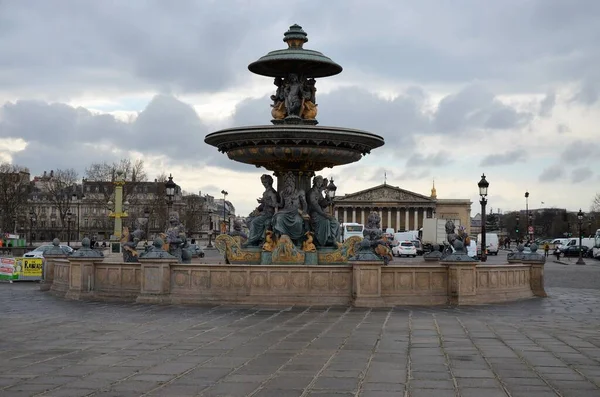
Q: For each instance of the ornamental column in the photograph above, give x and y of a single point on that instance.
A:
(354, 214)
(416, 216)
(389, 217)
(406, 219)
(397, 218)
(118, 212)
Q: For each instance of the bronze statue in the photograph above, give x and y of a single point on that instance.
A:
(289, 220)
(372, 246)
(260, 219)
(325, 226)
(176, 239)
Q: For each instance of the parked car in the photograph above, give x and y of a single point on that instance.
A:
(405, 248)
(573, 250)
(39, 251)
(196, 251)
(418, 246)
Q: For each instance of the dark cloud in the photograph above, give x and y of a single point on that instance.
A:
(476, 107)
(64, 136)
(439, 159)
(511, 157)
(63, 47)
(580, 151)
(552, 174)
(581, 174)
(547, 104)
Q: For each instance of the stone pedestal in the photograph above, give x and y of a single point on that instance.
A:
(366, 285)
(156, 280)
(81, 278)
(462, 282)
(311, 258)
(265, 258)
(537, 278)
(48, 271)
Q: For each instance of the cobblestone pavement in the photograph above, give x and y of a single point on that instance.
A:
(531, 348)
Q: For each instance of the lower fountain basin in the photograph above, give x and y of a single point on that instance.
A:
(294, 147)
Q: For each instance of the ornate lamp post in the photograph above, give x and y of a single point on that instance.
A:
(530, 224)
(483, 192)
(170, 191)
(210, 229)
(69, 214)
(147, 216)
(224, 193)
(330, 191)
(32, 220)
(118, 212)
(527, 211)
(580, 222)
(517, 218)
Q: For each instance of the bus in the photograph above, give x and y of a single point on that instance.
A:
(350, 229)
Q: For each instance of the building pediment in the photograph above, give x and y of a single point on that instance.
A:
(385, 193)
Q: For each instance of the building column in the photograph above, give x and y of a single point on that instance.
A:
(406, 219)
(345, 215)
(397, 219)
(362, 215)
(381, 215)
(389, 217)
(336, 214)
(416, 216)
(354, 214)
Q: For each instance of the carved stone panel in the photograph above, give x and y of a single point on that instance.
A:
(75, 276)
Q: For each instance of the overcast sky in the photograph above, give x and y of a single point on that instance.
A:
(457, 88)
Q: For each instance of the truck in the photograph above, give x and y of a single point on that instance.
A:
(350, 229)
(434, 232)
(574, 241)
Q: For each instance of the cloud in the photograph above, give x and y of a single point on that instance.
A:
(475, 107)
(581, 174)
(433, 160)
(562, 128)
(552, 174)
(547, 104)
(511, 157)
(579, 151)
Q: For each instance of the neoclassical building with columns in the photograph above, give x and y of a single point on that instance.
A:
(400, 209)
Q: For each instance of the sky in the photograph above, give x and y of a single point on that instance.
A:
(456, 88)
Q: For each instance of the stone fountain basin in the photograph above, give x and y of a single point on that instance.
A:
(294, 147)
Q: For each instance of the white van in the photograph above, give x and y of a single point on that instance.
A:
(491, 242)
(350, 229)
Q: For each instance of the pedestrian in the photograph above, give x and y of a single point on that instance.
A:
(546, 249)
(557, 253)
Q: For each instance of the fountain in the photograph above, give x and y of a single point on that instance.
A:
(295, 147)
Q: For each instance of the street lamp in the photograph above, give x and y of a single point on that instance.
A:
(330, 191)
(580, 222)
(530, 222)
(32, 220)
(224, 193)
(170, 191)
(69, 227)
(527, 211)
(517, 218)
(147, 216)
(483, 192)
(210, 229)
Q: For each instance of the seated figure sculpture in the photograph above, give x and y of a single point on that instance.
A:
(176, 239)
(261, 221)
(325, 227)
(372, 246)
(289, 220)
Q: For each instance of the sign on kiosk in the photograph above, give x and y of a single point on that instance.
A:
(31, 267)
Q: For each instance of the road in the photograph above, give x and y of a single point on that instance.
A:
(531, 348)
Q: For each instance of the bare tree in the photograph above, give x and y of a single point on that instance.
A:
(60, 191)
(595, 203)
(14, 188)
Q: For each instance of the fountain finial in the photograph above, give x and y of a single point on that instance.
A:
(295, 37)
